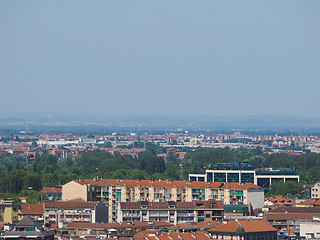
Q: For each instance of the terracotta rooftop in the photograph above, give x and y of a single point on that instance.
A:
(280, 200)
(195, 225)
(165, 183)
(159, 235)
(71, 204)
(51, 190)
(245, 226)
(31, 208)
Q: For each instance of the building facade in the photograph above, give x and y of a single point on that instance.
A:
(114, 191)
(64, 212)
(171, 212)
(243, 173)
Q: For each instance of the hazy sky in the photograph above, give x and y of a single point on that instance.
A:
(175, 57)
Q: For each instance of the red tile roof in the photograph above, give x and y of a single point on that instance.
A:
(31, 208)
(244, 226)
(51, 190)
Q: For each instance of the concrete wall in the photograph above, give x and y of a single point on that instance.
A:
(255, 197)
(73, 190)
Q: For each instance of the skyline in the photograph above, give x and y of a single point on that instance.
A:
(176, 58)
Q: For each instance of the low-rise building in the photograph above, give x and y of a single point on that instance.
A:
(35, 211)
(310, 230)
(64, 212)
(244, 230)
(315, 190)
(8, 211)
(288, 219)
(109, 230)
(27, 228)
(53, 193)
(171, 212)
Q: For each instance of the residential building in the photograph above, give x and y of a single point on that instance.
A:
(109, 230)
(194, 226)
(171, 212)
(315, 190)
(64, 212)
(53, 193)
(114, 191)
(35, 211)
(244, 230)
(27, 228)
(161, 235)
(288, 219)
(237, 210)
(8, 211)
(310, 230)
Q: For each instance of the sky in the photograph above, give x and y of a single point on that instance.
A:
(181, 57)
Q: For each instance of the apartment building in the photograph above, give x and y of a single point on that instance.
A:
(289, 219)
(8, 211)
(244, 230)
(170, 211)
(114, 191)
(64, 212)
(35, 211)
(315, 190)
(53, 193)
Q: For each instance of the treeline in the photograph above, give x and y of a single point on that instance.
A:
(19, 178)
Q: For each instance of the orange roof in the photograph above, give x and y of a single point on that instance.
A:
(194, 225)
(244, 226)
(31, 208)
(51, 190)
(280, 200)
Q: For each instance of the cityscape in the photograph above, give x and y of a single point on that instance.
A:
(159, 120)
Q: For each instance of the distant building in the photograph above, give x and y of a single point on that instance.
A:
(243, 172)
(53, 193)
(315, 190)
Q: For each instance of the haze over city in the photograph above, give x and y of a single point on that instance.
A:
(105, 58)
